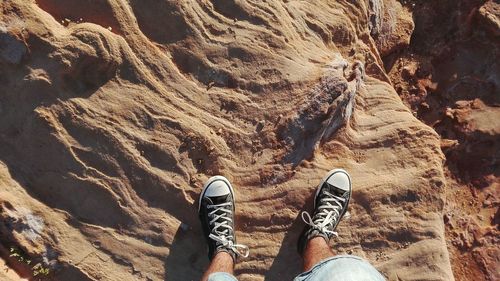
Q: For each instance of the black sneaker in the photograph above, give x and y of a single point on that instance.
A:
(216, 212)
(330, 205)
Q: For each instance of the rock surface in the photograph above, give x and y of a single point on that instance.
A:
(7, 274)
(449, 77)
(114, 113)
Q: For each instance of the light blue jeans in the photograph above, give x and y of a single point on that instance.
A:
(338, 268)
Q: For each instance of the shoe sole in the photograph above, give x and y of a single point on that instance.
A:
(325, 178)
(210, 181)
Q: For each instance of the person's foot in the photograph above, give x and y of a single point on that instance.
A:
(330, 205)
(216, 212)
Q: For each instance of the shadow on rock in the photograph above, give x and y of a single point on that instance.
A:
(288, 263)
(188, 254)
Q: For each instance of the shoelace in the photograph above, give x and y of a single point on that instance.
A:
(221, 229)
(328, 213)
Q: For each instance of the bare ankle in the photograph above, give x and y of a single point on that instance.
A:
(221, 262)
(316, 250)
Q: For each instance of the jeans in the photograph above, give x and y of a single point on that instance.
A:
(338, 268)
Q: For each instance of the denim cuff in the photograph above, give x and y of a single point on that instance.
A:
(221, 276)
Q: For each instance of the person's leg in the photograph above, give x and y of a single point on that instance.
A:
(330, 205)
(316, 250)
(341, 268)
(216, 211)
(221, 262)
(319, 262)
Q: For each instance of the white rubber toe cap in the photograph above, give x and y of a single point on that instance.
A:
(340, 180)
(217, 188)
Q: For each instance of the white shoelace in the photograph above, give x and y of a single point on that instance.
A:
(221, 229)
(328, 214)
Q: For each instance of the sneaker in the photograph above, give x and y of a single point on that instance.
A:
(330, 205)
(216, 212)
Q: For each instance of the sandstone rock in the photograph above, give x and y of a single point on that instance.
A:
(489, 15)
(396, 27)
(12, 49)
(8, 274)
(112, 151)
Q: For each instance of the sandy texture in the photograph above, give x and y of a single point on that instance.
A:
(113, 113)
(449, 77)
(7, 274)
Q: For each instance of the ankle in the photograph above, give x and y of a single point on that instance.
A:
(224, 254)
(220, 262)
(315, 243)
(223, 257)
(316, 250)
